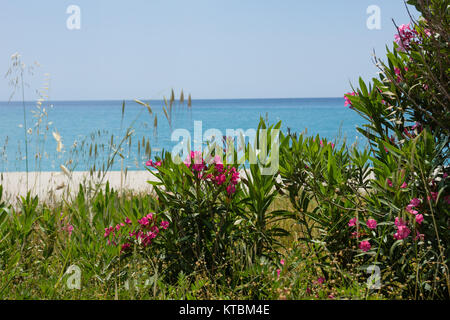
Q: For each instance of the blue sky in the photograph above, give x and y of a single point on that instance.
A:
(210, 48)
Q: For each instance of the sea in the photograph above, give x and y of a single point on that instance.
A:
(119, 135)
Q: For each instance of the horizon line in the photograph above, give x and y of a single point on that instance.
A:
(144, 99)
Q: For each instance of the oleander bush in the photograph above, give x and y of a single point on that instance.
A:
(219, 219)
(388, 205)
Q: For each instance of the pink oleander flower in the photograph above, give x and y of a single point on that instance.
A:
(125, 247)
(398, 73)
(68, 228)
(347, 100)
(410, 209)
(231, 189)
(354, 235)
(433, 196)
(150, 163)
(365, 246)
(419, 235)
(164, 224)
(108, 231)
(415, 202)
(144, 221)
(399, 222)
(352, 222)
(404, 37)
(404, 185)
(282, 262)
(278, 273)
(389, 182)
(419, 218)
(372, 223)
(402, 232)
(127, 220)
(220, 179)
(154, 229)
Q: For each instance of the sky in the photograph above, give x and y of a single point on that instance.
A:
(213, 49)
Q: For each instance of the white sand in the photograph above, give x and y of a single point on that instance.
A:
(54, 185)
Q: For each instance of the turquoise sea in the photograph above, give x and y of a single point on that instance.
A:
(82, 123)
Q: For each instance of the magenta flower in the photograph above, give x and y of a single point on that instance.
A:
(415, 202)
(320, 280)
(402, 230)
(365, 246)
(410, 209)
(150, 163)
(371, 223)
(347, 100)
(352, 222)
(68, 228)
(278, 273)
(125, 247)
(220, 179)
(404, 37)
(399, 222)
(389, 182)
(419, 218)
(144, 221)
(404, 185)
(419, 235)
(434, 196)
(282, 262)
(231, 189)
(164, 224)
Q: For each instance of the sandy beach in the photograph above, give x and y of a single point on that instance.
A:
(53, 185)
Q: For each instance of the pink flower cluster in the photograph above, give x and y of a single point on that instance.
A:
(66, 226)
(152, 164)
(371, 224)
(228, 176)
(347, 100)
(402, 230)
(411, 208)
(405, 37)
(147, 230)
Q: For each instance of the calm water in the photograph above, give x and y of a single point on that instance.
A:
(81, 123)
